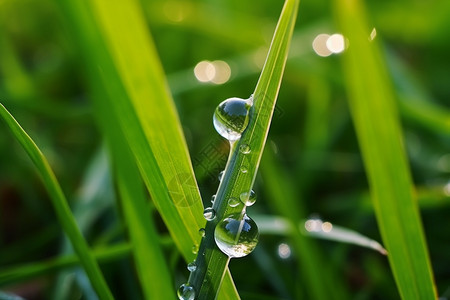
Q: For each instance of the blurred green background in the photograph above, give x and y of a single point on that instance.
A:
(312, 136)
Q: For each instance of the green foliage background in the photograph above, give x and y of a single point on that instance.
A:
(313, 144)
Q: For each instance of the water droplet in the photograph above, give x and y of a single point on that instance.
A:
(192, 266)
(213, 198)
(202, 232)
(221, 175)
(236, 238)
(186, 292)
(244, 149)
(243, 169)
(209, 213)
(248, 198)
(231, 118)
(195, 249)
(233, 202)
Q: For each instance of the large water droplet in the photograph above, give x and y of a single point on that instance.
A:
(186, 292)
(248, 198)
(235, 237)
(244, 149)
(209, 213)
(192, 266)
(231, 118)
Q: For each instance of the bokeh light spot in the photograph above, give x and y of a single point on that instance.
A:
(204, 71)
(222, 72)
(336, 43)
(217, 72)
(320, 45)
(373, 34)
(174, 11)
(284, 251)
(327, 226)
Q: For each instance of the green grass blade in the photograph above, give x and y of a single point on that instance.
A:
(211, 262)
(131, 84)
(15, 274)
(147, 119)
(60, 205)
(150, 263)
(372, 104)
(320, 282)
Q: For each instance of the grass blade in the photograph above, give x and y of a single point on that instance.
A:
(15, 274)
(319, 279)
(372, 104)
(211, 262)
(133, 88)
(60, 205)
(181, 218)
(150, 263)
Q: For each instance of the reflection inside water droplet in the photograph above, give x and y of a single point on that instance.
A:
(209, 213)
(233, 202)
(192, 266)
(231, 118)
(186, 292)
(236, 237)
(248, 198)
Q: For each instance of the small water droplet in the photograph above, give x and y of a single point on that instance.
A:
(248, 198)
(221, 175)
(202, 232)
(250, 100)
(233, 202)
(235, 237)
(244, 149)
(195, 249)
(186, 292)
(192, 266)
(213, 198)
(209, 213)
(231, 118)
(243, 169)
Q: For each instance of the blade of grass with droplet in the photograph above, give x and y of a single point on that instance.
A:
(128, 79)
(372, 104)
(211, 262)
(65, 217)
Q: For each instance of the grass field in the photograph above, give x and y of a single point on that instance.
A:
(109, 155)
